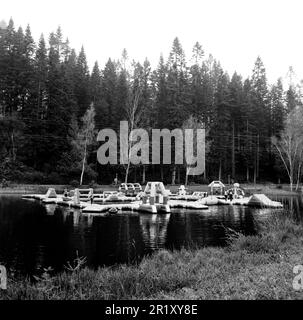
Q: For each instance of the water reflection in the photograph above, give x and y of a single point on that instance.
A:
(50, 209)
(154, 229)
(293, 205)
(34, 236)
(76, 218)
(208, 227)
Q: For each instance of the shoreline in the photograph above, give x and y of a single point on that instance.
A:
(268, 189)
(251, 267)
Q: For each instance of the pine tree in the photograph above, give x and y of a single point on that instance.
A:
(106, 110)
(160, 95)
(122, 98)
(291, 99)
(178, 94)
(82, 83)
(220, 131)
(196, 85)
(95, 86)
(146, 96)
(177, 87)
(278, 108)
(35, 114)
(260, 115)
(29, 43)
(249, 130)
(238, 124)
(8, 72)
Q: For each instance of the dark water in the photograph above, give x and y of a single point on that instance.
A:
(35, 236)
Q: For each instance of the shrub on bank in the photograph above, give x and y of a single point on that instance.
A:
(256, 244)
(33, 177)
(74, 183)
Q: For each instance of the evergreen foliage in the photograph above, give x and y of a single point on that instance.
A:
(47, 90)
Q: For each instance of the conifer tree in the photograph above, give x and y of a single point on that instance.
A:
(82, 83)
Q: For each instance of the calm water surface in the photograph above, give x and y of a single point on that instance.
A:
(34, 236)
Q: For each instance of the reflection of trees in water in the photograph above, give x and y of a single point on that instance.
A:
(117, 239)
(76, 218)
(80, 240)
(103, 240)
(90, 219)
(208, 227)
(154, 229)
(34, 235)
(124, 238)
(190, 229)
(61, 214)
(292, 205)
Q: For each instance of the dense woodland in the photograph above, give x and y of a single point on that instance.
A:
(50, 100)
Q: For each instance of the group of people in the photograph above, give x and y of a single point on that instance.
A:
(234, 193)
(229, 195)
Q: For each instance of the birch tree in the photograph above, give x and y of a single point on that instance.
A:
(289, 146)
(85, 138)
(133, 118)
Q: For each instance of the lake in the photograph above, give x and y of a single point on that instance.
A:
(34, 236)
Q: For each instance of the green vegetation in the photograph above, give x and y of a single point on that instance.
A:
(251, 267)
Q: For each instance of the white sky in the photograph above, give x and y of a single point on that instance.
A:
(234, 31)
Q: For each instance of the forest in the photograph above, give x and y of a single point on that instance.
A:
(52, 107)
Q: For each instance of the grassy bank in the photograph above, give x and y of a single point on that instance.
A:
(251, 267)
(42, 189)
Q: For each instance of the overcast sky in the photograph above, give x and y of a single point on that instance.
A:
(234, 31)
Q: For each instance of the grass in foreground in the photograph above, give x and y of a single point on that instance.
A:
(251, 267)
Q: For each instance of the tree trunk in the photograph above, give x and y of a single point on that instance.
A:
(291, 184)
(205, 173)
(258, 157)
(233, 153)
(298, 176)
(83, 169)
(248, 143)
(84, 160)
(13, 147)
(291, 178)
(129, 157)
(173, 180)
(126, 173)
(186, 175)
(128, 165)
(143, 175)
(39, 93)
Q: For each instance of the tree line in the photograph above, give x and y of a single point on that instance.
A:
(52, 106)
